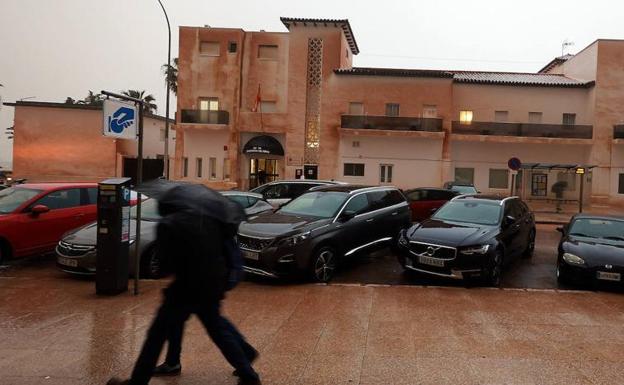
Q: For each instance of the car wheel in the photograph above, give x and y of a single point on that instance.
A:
(561, 278)
(323, 264)
(530, 249)
(496, 268)
(151, 264)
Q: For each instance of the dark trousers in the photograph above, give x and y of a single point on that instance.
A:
(171, 317)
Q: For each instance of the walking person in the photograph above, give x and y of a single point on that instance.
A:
(192, 237)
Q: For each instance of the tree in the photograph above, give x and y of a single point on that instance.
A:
(171, 75)
(148, 100)
(10, 132)
(92, 99)
(70, 100)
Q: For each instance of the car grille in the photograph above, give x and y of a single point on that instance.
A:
(253, 243)
(434, 251)
(72, 250)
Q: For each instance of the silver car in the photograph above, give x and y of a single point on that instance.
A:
(76, 252)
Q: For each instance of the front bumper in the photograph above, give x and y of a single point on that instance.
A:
(588, 275)
(83, 264)
(276, 261)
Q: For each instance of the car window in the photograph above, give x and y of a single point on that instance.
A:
(60, 199)
(92, 193)
(297, 189)
(598, 228)
(316, 204)
(484, 213)
(512, 208)
(242, 200)
(276, 191)
(393, 197)
(417, 195)
(358, 204)
(441, 195)
(149, 210)
(12, 198)
(377, 200)
(464, 189)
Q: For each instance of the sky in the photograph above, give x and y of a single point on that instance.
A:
(51, 49)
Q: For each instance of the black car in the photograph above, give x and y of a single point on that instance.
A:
(461, 187)
(469, 237)
(591, 250)
(311, 233)
(280, 192)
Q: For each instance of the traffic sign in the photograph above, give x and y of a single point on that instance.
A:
(514, 164)
(121, 119)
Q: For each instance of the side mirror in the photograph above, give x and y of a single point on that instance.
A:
(509, 220)
(560, 229)
(347, 216)
(39, 209)
(433, 210)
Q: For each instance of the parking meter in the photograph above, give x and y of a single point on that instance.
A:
(113, 236)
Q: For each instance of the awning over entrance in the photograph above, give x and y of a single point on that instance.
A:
(263, 144)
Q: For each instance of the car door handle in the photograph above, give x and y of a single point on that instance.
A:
(370, 220)
(395, 213)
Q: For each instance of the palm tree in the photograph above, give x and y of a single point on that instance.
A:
(70, 100)
(171, 75)
(148, 100)
(92, 99)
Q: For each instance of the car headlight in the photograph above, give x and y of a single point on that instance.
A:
(475, 250)
(573, 259)
(294, 239)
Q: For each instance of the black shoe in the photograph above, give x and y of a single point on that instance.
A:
(252, 357)
(167, 370)
(117, 381)
(249, 381)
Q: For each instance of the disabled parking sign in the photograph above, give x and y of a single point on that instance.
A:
(121, 120)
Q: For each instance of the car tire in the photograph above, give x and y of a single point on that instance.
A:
(530, 249)
(151, 265)
(496, 268)
(561, 278)
(4, 251)
(323, 264)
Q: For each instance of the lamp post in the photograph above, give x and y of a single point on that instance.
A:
(166, 157)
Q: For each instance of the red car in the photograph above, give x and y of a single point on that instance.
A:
(34, 216)
(425, 201)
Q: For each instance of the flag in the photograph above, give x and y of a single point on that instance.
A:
(257, 102)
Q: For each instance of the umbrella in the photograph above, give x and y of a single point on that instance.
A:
(155, 188)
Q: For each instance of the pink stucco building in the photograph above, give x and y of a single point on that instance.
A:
(281, 102)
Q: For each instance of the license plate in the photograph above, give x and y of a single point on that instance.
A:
(67, 262)
(605, 276)
(430, 261)
(251, 255)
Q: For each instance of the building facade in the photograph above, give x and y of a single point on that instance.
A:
(283, 104)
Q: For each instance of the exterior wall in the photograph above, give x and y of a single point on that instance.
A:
(617, 168)
(206, 144)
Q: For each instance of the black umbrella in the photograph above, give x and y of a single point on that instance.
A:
(155, 188)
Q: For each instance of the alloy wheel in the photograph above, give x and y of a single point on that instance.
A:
(324, 265)
(531, 245)
(497, 267)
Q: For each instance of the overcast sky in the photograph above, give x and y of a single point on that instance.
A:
(51, 49)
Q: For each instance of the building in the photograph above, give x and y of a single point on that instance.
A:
(64, 142)
(291, 102)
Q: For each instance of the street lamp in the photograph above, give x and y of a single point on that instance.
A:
(168, 77)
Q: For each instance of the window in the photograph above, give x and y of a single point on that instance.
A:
(499, 178)
(198, 167)
(355, 143)
(385, 173)
(358, 204)
(430, 111)
(232, 46)
(392, 109)
(501, 116)
(212, 166)
(418, 195)
(268, 106)
(465, 117)
(267, 52)
(356, 108)
(621, 184)
(569, 119)
(209, 104)
(209, 48)
(62, 199)
(353, 169)
(226, 169)
(92, 194)
(535, 117)
(185, 167)
(569, 178)
(464, 175)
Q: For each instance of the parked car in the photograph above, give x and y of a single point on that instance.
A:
(279, 193)
(470, 236)
(76, 252)
(591, 250)
(424, 201)
(3, 186)
(461, 187)
(310, 234)
(34, 216)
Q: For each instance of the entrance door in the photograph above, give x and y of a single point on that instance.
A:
(262, 171)
(539, 185)
(310, 171)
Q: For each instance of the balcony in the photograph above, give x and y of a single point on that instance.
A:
(618, 131)
(204, 117)
(393, 123)
(529, 130)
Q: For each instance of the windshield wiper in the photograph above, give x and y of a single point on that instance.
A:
(614, 237)
(582, 235)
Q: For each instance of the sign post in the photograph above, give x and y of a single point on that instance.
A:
(123, 119)
(514, 164)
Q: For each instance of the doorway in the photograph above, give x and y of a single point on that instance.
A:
(262, 171)
(310, 171)
(539, 185)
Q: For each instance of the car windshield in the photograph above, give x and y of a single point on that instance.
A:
(470, 211)
(149, 210)
(12, 198)
(464, 189)
(598, 228)
(316, 204)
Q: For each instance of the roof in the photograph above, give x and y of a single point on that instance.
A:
(484, 197)
(342, 23)
(72, 106)
(597, 216)
(351, 188)
(555, 62)
(240, 193)
(397, 72)
(518, 79)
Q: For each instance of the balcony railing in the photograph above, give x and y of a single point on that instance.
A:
(395, 123)
(618, 131)
(524, 129)
(205, 117)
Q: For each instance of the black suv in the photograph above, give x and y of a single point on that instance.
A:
(313, 231)
(470, 236)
